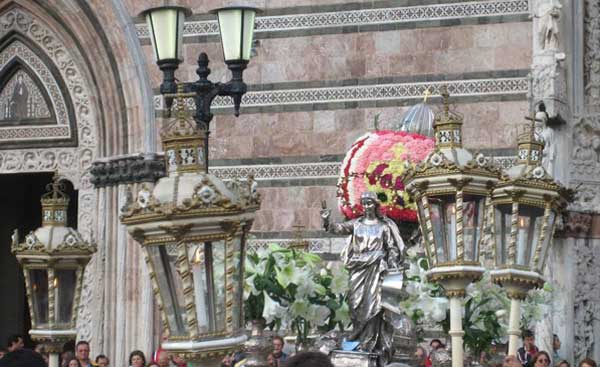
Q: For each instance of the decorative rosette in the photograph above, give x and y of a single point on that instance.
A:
(376, 162)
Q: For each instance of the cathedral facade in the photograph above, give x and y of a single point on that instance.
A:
(79, 94)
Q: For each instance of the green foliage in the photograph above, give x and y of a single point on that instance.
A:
(293, 288)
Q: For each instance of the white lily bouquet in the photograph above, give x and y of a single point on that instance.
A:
(485, 315)
(293, 289)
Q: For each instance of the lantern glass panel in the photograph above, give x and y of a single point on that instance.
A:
(166, 33)
(529, 225)
(443, 221)
(237, 29)
(473, 216)
(502, 221)
(163, 259)
(39, 294)
(65, 280)
(207, 262)
(546, 244)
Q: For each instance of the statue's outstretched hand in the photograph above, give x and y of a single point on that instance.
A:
(325, 212)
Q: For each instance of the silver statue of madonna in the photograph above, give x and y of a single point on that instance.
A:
(374, 249)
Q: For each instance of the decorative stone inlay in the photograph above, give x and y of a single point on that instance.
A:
(149, 168)
(71, 163)
(329, 245)
(591, 56)
(357, 93)
(27, 131)
(361, 17)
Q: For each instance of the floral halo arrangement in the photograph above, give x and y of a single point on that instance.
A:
(376, 162)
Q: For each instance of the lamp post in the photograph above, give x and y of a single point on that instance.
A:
(193, 228)
(451, 188)
(526, 203)
(236, 25)
(53, 258)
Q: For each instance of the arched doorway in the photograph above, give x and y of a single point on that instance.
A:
(20, 209)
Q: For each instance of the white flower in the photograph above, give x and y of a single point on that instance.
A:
(272, 309)
(412, 252)
(250, 287)
(323, 272)
(300, 308)
(318, 314)
(254, 268)
(308, 288)
(291, 274)
(500, 313)
(343, 313)
(414, 288)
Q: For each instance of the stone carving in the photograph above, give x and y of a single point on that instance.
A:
(24, 104)
(127, 169)
(591, 58)
(585, 164)
(548, 29)
(586, 151)
(70, 162)
(20, 21)
(587, 299)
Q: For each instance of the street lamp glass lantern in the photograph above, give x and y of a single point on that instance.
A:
(236, 25)
(444, 219)
(39, 295)
(53, 258)
(165, 25)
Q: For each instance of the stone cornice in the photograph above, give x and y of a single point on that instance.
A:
(127, 169)
(332, 20)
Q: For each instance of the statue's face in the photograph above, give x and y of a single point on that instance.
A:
(369, 205)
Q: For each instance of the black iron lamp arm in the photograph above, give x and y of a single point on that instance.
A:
(204, 91)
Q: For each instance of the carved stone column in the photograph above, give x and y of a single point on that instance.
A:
(127, 305)
(565, 76)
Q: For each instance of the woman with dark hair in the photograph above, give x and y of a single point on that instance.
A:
(73, 362)
(541, 359)
(374, 249)
(137, 359)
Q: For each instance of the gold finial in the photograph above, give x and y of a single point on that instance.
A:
(55, 189)
(426, 95)
(180, 102)
(532, 126)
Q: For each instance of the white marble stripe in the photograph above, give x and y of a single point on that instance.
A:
(362, 17)
(358, 93)
(297, 171)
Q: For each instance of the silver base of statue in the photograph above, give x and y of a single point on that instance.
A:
(345, 358)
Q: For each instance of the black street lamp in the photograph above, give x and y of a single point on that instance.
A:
(236, 26)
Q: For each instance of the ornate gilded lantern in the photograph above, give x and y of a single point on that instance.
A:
(526, 203)
(451, 188)
(53, 258)
(193, 227)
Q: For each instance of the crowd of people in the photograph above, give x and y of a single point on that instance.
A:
(16, 355)
(529, 355)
